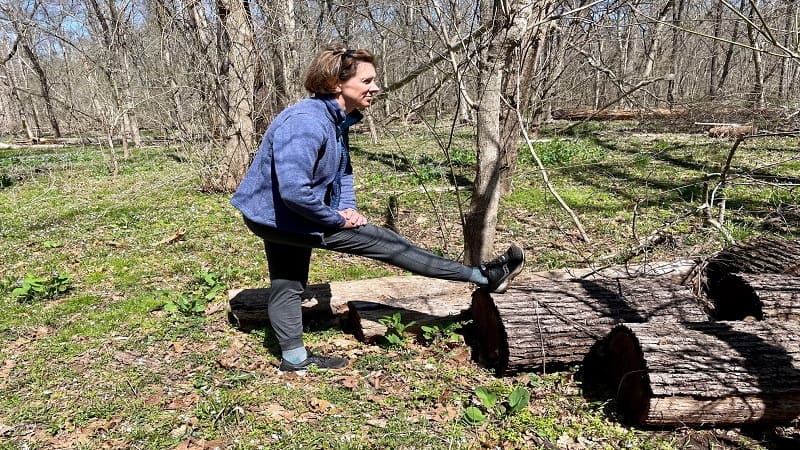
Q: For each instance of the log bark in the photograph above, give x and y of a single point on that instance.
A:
(616, 114)
(765, 254)
(541, 325)
(711, 373)
(734, 131)
(247, 308)
(761, 296)
(423, 310)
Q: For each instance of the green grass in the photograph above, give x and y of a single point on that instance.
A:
(107, 363)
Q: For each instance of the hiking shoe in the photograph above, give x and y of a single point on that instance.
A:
(320, 361)
(501, 270)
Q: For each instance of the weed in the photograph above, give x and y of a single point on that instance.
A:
(34, 288)
(446, 333)
(491, 405)
(396, 330)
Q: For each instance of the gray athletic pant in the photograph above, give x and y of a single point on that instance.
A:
(289, 255)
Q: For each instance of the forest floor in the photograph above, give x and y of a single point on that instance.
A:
(113, 330)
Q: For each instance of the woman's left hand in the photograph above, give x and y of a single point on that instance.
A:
(352, 218)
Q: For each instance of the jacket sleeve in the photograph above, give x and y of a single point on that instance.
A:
(348, 199)
(297, 144)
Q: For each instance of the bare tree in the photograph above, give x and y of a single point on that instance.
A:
(237, 78)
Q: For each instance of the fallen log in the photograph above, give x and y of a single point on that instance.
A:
(247, 308)
(423, 310)
(546, 324)
(765, 254)
(710, 373)
(734, 131)
(615, 114)
(761, 296)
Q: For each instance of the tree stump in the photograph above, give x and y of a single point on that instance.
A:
(247, 308)
(543, 325)
(423, 310)
(761, 296)
(710, 373)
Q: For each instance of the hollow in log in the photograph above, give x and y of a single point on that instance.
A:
(765, 254)
(761, 296)
(709, 373)
(542, 325)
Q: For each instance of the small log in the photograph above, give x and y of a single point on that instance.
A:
(735, 131)
(423, 310)
(765, 254)
(711, 373)
(615, 114)
(247, 308)
(541, 325)
(761, 296)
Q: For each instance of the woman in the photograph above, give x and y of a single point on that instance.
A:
(298, 195)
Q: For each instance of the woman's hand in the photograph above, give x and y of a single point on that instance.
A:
(352, 218)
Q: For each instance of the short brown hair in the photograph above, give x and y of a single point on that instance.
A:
(333, 64)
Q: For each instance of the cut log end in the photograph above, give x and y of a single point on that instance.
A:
(493, 340)
(630, 373)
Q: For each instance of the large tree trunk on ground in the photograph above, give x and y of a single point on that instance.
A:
(248, 307)
(712, 373)
(549, 325)
(765, 254)
(761, 296)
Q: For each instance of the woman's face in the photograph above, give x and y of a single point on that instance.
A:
(359, 90)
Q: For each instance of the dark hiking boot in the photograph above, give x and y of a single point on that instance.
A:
(501, 270)
(320, 361)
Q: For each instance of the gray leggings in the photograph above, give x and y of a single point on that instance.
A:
(289, 256)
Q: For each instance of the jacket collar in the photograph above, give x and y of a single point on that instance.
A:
(336, 112)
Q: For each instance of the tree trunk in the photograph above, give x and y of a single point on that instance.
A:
(497, 128)
(712, 373)
(237, 85)
(45, 86)
(551, 325)
(770, 297)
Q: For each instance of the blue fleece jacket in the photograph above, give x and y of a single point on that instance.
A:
(291, 180)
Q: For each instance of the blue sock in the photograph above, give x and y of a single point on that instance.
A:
(478, 278)
(295, 355)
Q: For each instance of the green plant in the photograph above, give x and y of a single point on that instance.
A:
(491, 405)
(33, 288)
(395, 335)
(186, 305)
(211, 284)
(445, 333)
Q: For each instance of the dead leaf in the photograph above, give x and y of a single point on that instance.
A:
(5, 430)
(174, 237)
(6, 367)
(214, 445)
(177, 347)
(183, 403)
(444, 413)
(181, 431)
(213, 308)
(190, 444)
(379, 423)
(376, 398)
(278, 412)
(319, 405)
